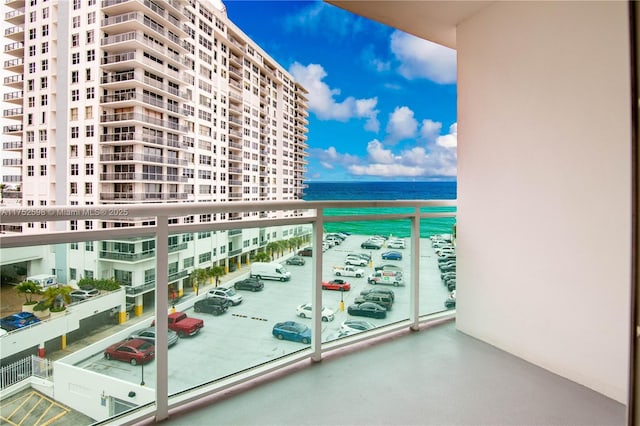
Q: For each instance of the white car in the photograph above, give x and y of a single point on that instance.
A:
(396, 244)
(304, 311)
(226, 293)
(349, 327)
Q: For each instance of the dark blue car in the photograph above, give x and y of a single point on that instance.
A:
(392, 255)
(19, 320)
(294, 331)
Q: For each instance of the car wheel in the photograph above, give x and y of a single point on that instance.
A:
(196, 309)
(372, 282)
(258, 277)
(281, 279)
(358, 275)
(107, 356)
(324, 288)
(325, 319)
(396, 284)
(302, 315)
(280, 336)
(181, 334)
(338, 274)
(133, 361)
(305, 340)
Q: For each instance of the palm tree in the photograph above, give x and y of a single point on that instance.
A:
(57, 297)
(3, 186)
(291, 243)
(29, 289)
(262, 256)
(272, 247)
(216, 272)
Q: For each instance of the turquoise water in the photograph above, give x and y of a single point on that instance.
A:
(385, 191)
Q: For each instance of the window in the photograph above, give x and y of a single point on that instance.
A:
(76, 4)
(188, 262)
(45, 47)
(32, 34)
(75, 58)
(88, 112)
(30, 171)
(89, 131)
(87, 74)
(90, 37)
(32, 67)
(74, 170)
(91, 18)
(43, 152)
(45, 30)
(91, 92)
(32, 51)
(44, 100)
(72, 273)
(88, 273)
(91, 55)
(76, 22)
(74, 76)
(88, 246)
(88, 169)
(44, 82)
(88, 150)
(75, 40)
(73, 225)
(44, 64)
(73, 246)
(75, 132)
(45, 12)
(43, 170)
(30, 154)
(43, 135)
(73, 151)
(88, 188)
(74, 114)
(75, 95)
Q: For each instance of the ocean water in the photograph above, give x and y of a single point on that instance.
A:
(321, 191)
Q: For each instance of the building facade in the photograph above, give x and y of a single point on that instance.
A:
(138, 101)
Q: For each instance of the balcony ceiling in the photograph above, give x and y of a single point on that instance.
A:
(432, 20)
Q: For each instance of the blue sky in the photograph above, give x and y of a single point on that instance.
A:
(382, 103)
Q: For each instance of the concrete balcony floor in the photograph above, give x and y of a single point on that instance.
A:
(438, 376)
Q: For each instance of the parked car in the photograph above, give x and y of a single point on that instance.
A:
(19, 320)
(307, 252)
(133, 351)
(304, 311)
(397, 244)
(378, 290)
(355, 260)
(370, 244)
(227, 294)
(381, 299)
(365, 256)
(367, 309)
(296, 260)
(83, 294)
(149, 334)
(252, 284)
(337, 284)
(212, 305)
(291, 330)
(354, 326)
(392, 255)
(388, 268)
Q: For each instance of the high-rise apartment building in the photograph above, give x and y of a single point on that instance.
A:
(141, 101)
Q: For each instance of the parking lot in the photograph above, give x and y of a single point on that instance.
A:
(242, 337)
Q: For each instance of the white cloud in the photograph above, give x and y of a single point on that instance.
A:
(423, 59)
(437, 159)
(402, 125)
(322, 100)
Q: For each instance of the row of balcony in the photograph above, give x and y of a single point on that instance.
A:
(136, 116)
(158, 10)
(141, 97)
(144, 158)
(140, 38)
(133, 76)
(127, 176)
(137, 17)
(142, 137)
(142, 196)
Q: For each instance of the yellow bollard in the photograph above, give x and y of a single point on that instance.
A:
(342, 306)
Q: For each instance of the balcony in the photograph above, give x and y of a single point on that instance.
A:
(15, 81)
(12, 146)
(15, 17)
(14, 65)
(13, 129)
(14, 97)
(15, 33)
(143, 158)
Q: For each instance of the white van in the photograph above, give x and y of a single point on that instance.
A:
(44, 281)
(270, 271)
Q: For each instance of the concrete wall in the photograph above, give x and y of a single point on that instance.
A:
(545, 186)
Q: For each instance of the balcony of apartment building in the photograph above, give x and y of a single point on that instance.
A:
(144, 158)
(168, 18)
(135, 117)
(12, 129)
(14, 81)
(15, 33)
(12, 146)
(14, 65)
(16, 97)
(15, 17)
(133, 40)
(124, 80)
(133, 21)
(14, 49)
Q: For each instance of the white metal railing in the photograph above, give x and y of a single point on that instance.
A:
(291, 213)
(23, 369)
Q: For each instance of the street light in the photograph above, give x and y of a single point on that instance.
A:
(144, 358)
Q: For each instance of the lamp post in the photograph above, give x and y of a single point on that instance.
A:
(144, 358)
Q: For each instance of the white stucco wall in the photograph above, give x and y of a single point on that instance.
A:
(545, 184)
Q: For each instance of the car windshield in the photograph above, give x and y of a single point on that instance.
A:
(230, 292)
(300, 328)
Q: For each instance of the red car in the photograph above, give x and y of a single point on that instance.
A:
(134, 351)
(336, 284)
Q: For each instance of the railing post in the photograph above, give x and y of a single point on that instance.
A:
(414, 285)
(162, 325)
(316, 278)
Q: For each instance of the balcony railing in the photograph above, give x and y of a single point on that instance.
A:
(415, 301)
